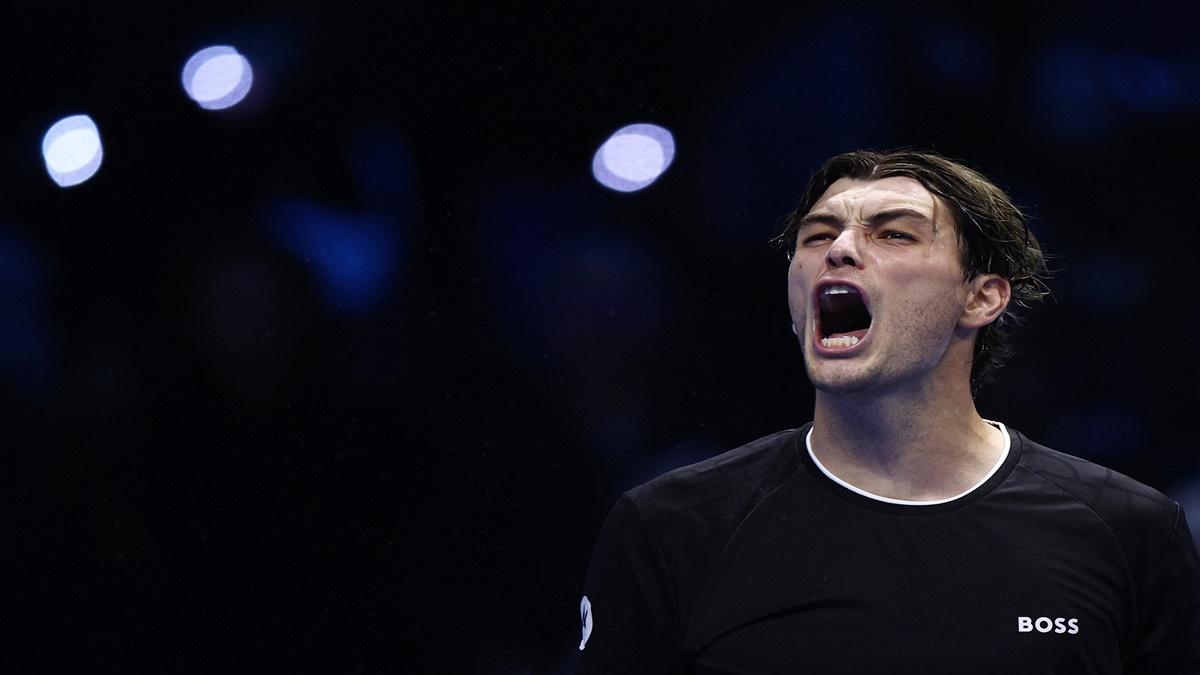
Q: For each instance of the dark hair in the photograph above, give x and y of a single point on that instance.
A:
(992, 233)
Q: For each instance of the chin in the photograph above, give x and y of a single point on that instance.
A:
(842, 380)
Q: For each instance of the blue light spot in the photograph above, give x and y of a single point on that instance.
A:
(1071, 82)
(1085, 91)
(28, 358)
(1144, 82)
(353, 257)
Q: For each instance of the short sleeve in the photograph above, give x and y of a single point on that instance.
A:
(629, 618)
(1168, 638)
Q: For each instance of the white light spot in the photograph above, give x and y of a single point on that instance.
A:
(72, 150)
(585, 614)
(633, 157)
(217, 77)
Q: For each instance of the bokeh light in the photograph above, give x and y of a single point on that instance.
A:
(72, 150)
(633, 157)
(217, 77)
(29, 357)
(353, 257)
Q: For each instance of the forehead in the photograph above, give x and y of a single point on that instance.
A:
(856, 197)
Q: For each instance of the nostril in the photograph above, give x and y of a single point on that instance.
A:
(847, 260)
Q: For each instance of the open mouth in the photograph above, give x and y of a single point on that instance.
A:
(842, 316)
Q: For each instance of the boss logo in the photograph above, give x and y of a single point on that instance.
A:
(1044, 624)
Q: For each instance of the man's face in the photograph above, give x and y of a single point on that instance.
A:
(876, 284)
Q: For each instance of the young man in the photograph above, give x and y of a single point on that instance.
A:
(899, 532)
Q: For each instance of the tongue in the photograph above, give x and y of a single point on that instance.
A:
(856, 333)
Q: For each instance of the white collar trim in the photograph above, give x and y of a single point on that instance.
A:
(909, 502)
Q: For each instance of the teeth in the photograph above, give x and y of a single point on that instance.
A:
(844, 341)
(837, 290)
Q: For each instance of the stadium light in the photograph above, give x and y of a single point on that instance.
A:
(633, 157)
(217, 77)
(72, 150)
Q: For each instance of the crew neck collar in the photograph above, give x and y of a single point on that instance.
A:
(908, 502)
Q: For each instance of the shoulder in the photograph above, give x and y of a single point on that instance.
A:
(1139, 516)
(682, 520)
(1097, 486)
(698, 502)
(734, 475)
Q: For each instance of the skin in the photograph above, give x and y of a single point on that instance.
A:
(894, 416)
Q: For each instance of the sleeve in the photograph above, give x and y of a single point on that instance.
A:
(1168, 637)
(628, 607)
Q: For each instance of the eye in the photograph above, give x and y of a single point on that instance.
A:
(820, 236)
(902, 236)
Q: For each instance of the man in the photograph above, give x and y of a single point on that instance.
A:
(899, 532)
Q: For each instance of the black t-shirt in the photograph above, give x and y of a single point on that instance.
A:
(759, 561)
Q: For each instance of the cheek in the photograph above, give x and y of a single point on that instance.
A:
(796, 289)
(794, 267)
(930, 312)
(925, 280)
(796, 305)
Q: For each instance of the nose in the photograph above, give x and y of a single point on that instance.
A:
(843, 252)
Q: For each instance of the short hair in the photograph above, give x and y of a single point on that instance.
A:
(992, 234)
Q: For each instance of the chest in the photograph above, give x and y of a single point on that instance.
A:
(991, 591)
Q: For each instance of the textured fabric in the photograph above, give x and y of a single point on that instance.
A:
(756, 562)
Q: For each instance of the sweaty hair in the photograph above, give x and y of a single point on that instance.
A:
(992, 233)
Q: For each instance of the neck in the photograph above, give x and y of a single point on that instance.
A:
(922, 443)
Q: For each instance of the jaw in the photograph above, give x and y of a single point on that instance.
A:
(910, 368)
(841, 370)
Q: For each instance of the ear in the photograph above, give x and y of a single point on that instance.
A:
(987, 298)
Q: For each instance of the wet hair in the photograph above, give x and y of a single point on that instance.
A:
(992, 234)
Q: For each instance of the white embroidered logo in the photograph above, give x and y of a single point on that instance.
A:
(1044, 624)
(585, 615)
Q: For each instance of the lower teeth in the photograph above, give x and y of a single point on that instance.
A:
(844, 341)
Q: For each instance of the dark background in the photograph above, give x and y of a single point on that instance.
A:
(345, 378)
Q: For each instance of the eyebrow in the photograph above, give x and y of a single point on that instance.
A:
(877, 219)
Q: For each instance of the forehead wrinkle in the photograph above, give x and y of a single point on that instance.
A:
(867, 209)
(894, 201)
(854, 194)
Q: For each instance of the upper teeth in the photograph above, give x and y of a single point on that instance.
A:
(837, 289)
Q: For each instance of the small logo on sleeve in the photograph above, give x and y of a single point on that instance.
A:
(585, 615)
(1044, 624)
